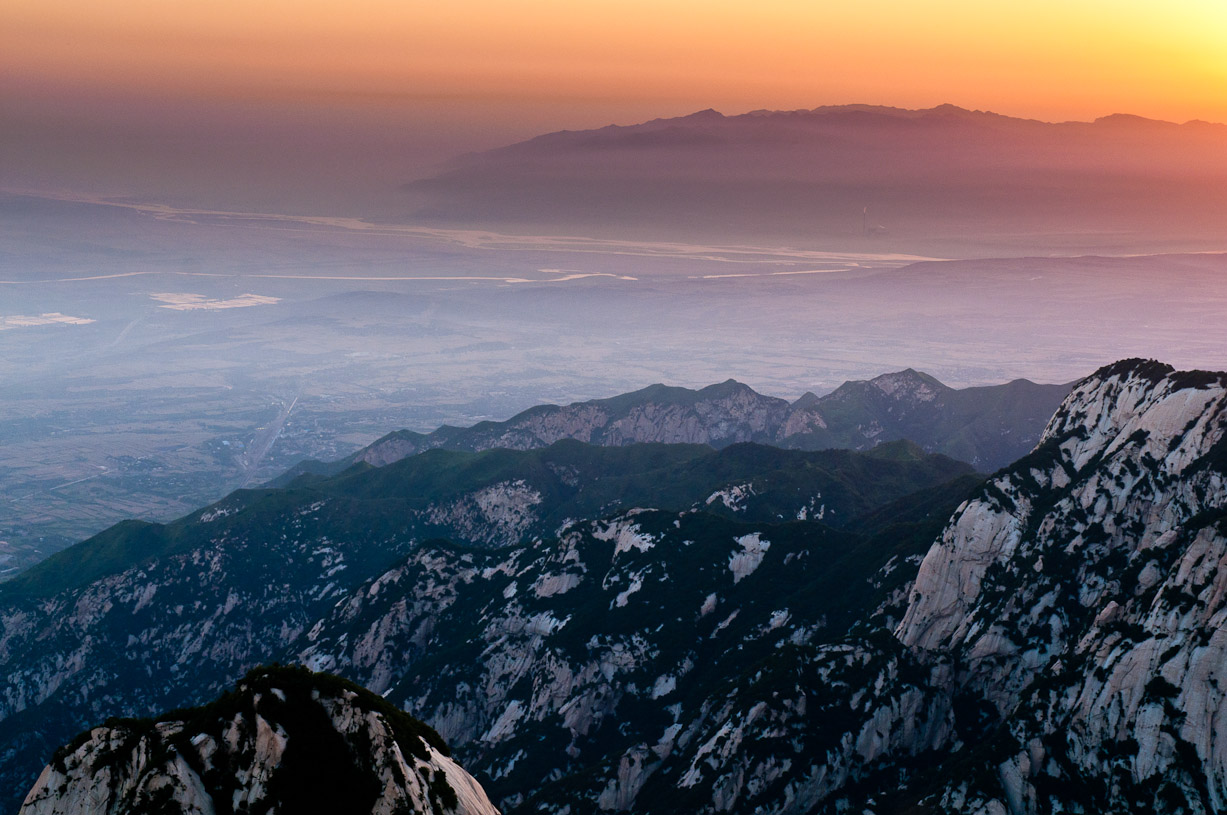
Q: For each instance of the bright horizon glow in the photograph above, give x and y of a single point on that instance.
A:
(1047, 59)
(314, 106)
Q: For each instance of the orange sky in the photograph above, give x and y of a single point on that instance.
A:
(1047, 59)
(307, 105)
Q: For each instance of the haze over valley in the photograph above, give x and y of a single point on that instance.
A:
(157, 358)
(613, 408)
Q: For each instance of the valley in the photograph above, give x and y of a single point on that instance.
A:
(148, 412)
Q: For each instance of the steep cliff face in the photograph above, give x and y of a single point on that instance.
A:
(283, 741)
(1082, 594)
(651, 662)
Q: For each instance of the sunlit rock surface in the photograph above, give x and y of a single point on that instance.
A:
(1082, 595)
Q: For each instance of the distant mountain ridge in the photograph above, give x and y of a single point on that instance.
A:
(944, 181)
(709, 127)
(860, 114)
(987, 427)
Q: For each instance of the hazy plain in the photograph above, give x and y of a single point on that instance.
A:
(153, 359)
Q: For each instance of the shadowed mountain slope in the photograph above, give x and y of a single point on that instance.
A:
(284, 740)
(1047, 640)
(147, 617)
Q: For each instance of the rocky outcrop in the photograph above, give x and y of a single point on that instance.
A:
(718, 415)
(349, 574)
(498, 515)
(652, 665)
(1082, 594)
(1051, 642)
(284, 741)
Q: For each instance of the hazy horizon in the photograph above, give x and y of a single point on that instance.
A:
(329, 154)
(310, 108)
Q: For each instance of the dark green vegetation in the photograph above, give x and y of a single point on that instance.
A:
(571, 480)
(682, 629)
(666, 636)
(151, 617)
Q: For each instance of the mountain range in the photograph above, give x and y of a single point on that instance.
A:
(146, 617)
(986, 426)
(944, 181)
(1044, 640)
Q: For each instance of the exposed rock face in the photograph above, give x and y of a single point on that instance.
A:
(988, 427)
(718, 415)
(804, 416)
(1083, 595)
(501, 513)
(1058, 648)
(278, 575)
(648, 664)
(284, 741)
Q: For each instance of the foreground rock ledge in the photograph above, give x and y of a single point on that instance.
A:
(285, 740)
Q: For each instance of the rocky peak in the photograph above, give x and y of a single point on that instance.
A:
(905, 387)
(1138, 398)
(1113, 449)
(1080, 593)
(807, 401)
(285, 740)
(728, 388)
(910, 385)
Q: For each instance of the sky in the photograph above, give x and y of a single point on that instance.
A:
(139, 95)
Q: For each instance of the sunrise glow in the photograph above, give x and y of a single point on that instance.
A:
(1047, 59)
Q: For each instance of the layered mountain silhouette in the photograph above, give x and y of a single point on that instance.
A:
(985, 426)
(945, 180)
(1044, 640)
